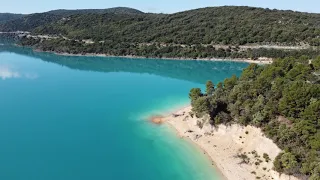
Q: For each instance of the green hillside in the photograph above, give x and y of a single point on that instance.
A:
(213, 32)
(31, 21)
(4, 17)
(116, 10)
(215, 25)
(283, 99)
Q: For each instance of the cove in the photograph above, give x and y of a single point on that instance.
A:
(67, 117)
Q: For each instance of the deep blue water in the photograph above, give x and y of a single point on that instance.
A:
(80, 118)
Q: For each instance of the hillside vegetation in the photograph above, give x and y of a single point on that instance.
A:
(283, 99)
(216, 25)
(191, 34)
(61, 45)
(28, 22)
(116, 10)
(4, 17)
(32, 21)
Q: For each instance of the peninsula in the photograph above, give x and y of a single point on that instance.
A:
(233, 121)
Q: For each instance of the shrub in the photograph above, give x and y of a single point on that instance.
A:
(266, 157)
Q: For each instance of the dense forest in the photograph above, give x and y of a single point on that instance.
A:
(283, 99)
(4, 17)
(216, 25)
(228, 25)
(116, 10)
(17, 22)
(190, 34)
(157, 50)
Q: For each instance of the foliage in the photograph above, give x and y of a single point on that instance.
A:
(316, 63)
(28, 22)
(116, 10)
(288, 162)
(18, 22)
(195, 94)
(284, 100)
(209, 88)
(212, 32)
(201, 33)
(216, 25)
(266, 157)
(4, 17)
(115, 48)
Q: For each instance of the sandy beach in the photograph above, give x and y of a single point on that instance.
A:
(238, 152)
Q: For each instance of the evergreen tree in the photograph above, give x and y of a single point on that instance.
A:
(209, 88)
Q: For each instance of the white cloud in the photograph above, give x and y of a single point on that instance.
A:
(7, 73)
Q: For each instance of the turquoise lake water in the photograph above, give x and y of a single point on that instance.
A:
(80, 118)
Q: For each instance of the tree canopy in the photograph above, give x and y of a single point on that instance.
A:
(215, 32)
(4, 17)
(283, 99)
(228, 25)
(216, 25)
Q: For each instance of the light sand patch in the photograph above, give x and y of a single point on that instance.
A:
(157, 119)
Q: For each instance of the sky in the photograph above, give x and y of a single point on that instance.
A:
(155, 6)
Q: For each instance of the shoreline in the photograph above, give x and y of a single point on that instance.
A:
(162, 119)
(220, 173)
(261, 60)
(223, 145)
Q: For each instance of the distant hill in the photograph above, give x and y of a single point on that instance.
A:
(228, 25)
(4, 17)
(116, 10)
(29, 22)
(13, 22)
(214, 25)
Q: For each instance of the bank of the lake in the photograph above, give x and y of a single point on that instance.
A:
(260, 60)
(224, 145)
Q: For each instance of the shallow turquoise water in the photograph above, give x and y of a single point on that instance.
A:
(84, 117)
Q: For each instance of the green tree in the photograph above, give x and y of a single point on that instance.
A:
(229, 83)
(195, 93)
(316, 63)
(250, 72)
(289, 163)
(315, 172)
(209, 88)
(296, 97)
(201, 106)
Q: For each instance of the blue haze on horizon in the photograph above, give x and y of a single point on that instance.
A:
(163, 6)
